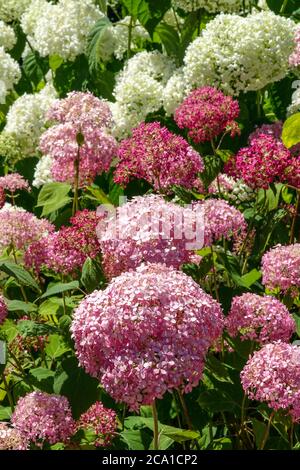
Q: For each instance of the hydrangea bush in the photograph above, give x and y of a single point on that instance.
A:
(149, 225)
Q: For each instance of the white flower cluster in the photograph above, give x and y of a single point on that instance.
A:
(10, 74)
(61, 29)
(241, 192)
(7, 36)
(212, 6)
(237, 53)
(11, 10)
(42, 172)
(294, 107)
(139, 89)
(25, 119)
(174, 92)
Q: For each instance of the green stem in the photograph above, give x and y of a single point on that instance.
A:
(214, 275)
(129, 37)
(176, 20)
(9, 396)
(266, 435)
(76, 182)
(16, 261)
(283, 7)
(155, 427)
(185, 411)
(294, 223)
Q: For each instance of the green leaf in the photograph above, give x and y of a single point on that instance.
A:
(96, 43)
(277, 5)
(250, 278)
(5, 413)
(259, 430)
(215, 401)
(31, 328)
(136, 439)
(60, 287)
(177, 434)
(92, 275)
(80, 388)
(169, 38)
(55, 62)
(297, 321)
(19, 306)
(56, 347)
(19, 273)
(291, 131)
(41, 373)
(53, 196)
(139, 9)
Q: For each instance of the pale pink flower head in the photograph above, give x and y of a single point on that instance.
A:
(95, 154)
(147, 333)
(3, 309)
(20, 228)
(14, 182)
(272, 375)
(81, 109)
(207, 113)
(158, 156)
(103, 421)
(259, 318)
(221, 220)
(40, 417)
(281, 267)
(147, 229)
(10, 438)
(263, 162)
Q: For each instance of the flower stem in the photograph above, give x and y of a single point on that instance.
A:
(155, 428)
(283, 6)
(76, 182)
(130, 26)
(266, 435)
(214, 275)
(294, 223)
(9, 396)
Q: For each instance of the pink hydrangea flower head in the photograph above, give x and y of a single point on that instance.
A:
(13, 182)
(2, 197)
(21, 228)
(3, 309)
(272, 375)
(81, 109)
(147, 229)
(158, 156)
(281, 267)
(221, 220)
(148, 332)
(95, 155)
(10, 438)
(294, 59)
(207, 113)
(292, 172)
(65, 251)
(274, 130)
(41, 417)
(262, 163)
(259, 318)
(103, 421)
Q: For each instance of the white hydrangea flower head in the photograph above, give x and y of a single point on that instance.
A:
(294, 107)
(139, 89)
(241, 192)
(7, 36)
(42, 172)
(120, 33)
(172, 18)
(25, 119)
(174, 92)
(212, 6)
(60, 29)
(238, 54)
(10, 74)
(11, 10)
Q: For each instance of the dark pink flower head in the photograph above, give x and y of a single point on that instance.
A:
(292, 172)
(65, 251)
(103, 421)
(158, 156)
(207, 113)
(260, 318)
(81, 109)
(262, 163)
(273, 130)
(95, 155)
(3, 309)
(40, 417)
(13, 182)
(221, 220)
(272, 375)
(147, 229)
(148, 332)
(281, 267)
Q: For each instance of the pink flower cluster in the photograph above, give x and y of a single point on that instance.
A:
(148, 332)
(40, 417)
(65, 251)
(206, 113)
(272, 375)
(21, 228)
(273, 130)
(13, 182)
(265, 161)
(294, 59)
(103, 421)
(2, 197)
(260, 318)
(147, 229)
(281, 267)
(3, 309)
(221, 220)
(158, 156)
(10, 438)
(81, 109)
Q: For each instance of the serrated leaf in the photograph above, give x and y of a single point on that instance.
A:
(168, 37)
(19, 306)
(5, 413)
(59, 288)
(31, 328)
(53, 196)
(19, 273)
(92, 275)
(56, 346)
(96, 42)
(41, 373)
(291, 131)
